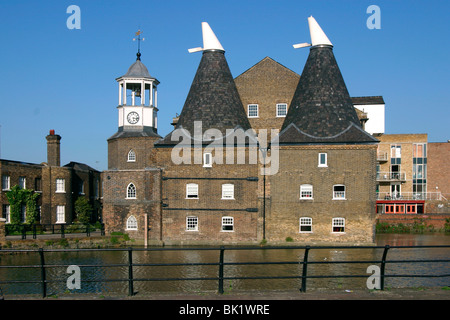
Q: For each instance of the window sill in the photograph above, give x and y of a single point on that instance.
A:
(226, 230)
(131, 198)
(131, 229)
(340, 199)
(191, 198)
(306, 199)
(191, 230)
(322, 166)
(60, 192)
(228, 199)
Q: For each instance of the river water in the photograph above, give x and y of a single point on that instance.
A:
(90, 275)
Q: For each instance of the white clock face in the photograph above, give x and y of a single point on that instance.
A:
(133, 117)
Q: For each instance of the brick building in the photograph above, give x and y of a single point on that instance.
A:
(210, 181)
(58, 186)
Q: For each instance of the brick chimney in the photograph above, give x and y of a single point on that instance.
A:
(53, 149)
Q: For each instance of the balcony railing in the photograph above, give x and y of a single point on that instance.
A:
(391, 176)
(382, 156)
(410, 196)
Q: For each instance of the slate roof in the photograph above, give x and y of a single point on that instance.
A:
(213, 99)
(368, 100)
(79, 166)
(321, 109)
(137, 70)
(142, 132)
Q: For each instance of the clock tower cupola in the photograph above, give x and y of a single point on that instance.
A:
(131, 145)
(138, 99)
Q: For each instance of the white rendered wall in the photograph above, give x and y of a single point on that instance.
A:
(375, 113)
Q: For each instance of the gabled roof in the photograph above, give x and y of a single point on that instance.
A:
(79, 166)
(270, 63)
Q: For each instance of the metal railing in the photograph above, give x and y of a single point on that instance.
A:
(36, 230)
(410, 196)
(221, 264)
(391, 176)
(382, 156)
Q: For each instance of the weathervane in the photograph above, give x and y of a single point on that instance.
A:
(138, 38)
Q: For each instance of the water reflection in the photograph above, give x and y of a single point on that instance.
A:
(93, 268)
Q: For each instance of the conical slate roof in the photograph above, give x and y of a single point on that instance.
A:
(213, 97)
(321, 109)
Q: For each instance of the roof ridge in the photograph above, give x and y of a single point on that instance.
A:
(265, 59)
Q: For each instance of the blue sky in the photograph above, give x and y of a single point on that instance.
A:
(61, 79)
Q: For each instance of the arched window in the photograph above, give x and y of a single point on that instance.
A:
(131, 156)
(131, 191)
(131, 223)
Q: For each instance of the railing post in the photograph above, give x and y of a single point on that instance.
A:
(24, 232)
(62, 231)
(43, 276)
(34, 231)
(222, 249)
(130, 272)
(305, 269)
(88, 232)
(383, 264)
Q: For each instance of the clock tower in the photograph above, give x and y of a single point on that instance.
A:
(131, 145)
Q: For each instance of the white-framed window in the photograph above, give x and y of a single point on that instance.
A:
(228, 224)
(252, 111)
(227, 191)
(22, 182)
(131, 156)
(305, 225)
(306, 192)
(323, 160)
(6, 182)
(192, 191)
(396, 151)
(131, 191)
(60, 214)
(6, 213)
(207, 159)
(60, 185)
(338, 225)
(281, 109)
(191, 223)
(339, 192)
(132, 223)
